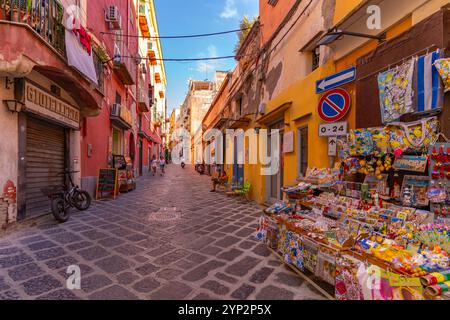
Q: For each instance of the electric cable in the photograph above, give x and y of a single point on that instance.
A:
(179, 36)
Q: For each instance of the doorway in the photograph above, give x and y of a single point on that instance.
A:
(275, 182)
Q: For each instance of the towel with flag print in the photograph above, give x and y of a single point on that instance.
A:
(430, 93)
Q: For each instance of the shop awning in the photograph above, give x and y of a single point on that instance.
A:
(274, 115)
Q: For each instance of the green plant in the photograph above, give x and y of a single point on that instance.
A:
(245, 25)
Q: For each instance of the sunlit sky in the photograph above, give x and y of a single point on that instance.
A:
(185, 17)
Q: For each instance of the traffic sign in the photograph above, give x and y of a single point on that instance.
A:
(333, 129)
(332, 146)
(334, 105)
(336, 80)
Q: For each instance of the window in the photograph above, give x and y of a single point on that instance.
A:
(273, 3)
(117, 141)
(239, 106)
(118, 98)
(99, 70)
(315, 59)
(302, 150)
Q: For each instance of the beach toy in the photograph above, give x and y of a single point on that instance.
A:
(438, 290)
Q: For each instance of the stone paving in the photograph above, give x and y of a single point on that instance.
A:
(206, 249)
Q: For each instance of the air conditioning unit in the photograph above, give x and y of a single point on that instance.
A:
(117, 54)
(112, 16)
(115, 109)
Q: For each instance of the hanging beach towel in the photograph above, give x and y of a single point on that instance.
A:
(430, 94)
(396, 92)
(443, 67)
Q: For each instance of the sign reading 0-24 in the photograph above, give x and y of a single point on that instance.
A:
(334, 105)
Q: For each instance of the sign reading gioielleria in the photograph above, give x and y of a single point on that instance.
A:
(43, 103)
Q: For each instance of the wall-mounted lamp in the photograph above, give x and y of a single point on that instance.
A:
(14, 105)
(336, 34)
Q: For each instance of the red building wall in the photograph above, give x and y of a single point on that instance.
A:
(97, 131)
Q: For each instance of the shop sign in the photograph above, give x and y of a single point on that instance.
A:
(336, 80)
(45, 104)
(333, 129)
(288, 142)
(334, 105)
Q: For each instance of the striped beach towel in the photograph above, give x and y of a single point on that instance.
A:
(430, 93)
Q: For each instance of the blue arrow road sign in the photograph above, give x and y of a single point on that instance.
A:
(336, 80)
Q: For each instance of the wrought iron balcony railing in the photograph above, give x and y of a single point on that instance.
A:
(45, 17)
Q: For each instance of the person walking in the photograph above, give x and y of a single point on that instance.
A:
(162, 166)
(154, 165)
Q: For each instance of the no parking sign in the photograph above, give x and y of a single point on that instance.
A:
(334, 105)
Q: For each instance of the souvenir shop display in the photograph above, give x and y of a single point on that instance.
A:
(439, 191)
(126, 173)
(396, 91)
(345, 240)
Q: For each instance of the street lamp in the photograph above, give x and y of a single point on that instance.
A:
(14, 105)
(336, 34)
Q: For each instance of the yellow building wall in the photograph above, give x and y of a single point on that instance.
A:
(305, 101)
(343, 8)
(427, 10)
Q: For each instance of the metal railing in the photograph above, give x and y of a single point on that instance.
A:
(43, 16)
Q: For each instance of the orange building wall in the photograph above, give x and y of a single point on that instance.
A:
(272, 16)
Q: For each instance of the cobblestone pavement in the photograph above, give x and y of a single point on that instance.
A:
(126, 250)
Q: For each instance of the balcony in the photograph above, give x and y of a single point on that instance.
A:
(124, 64)
(121, 117)
(144, 101)
(49, 27)
(143, 19)
(151, 53)
(33, 39)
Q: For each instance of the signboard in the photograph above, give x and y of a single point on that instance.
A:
(336, 80)
(332, 146)
(45, 104)
(107, 181)
(334, 105)
(411, 163)
(333, 129)
(288, 142)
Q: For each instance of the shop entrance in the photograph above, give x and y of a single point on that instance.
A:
(45, 158)
(275, 182)
(141, 156)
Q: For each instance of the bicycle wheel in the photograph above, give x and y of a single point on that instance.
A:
(59, 209)
(81, 200)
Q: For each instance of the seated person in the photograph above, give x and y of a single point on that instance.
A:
(219, 178)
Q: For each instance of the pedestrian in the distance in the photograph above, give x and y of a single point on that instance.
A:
(162, 166)
(154, 165)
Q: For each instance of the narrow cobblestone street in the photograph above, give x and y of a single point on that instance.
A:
(127, 249)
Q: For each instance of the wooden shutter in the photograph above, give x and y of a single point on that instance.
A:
(45, 158)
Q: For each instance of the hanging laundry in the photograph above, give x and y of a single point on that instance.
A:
(430, 93)
(396, 92)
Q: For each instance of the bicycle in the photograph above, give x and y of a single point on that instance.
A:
(63, 198)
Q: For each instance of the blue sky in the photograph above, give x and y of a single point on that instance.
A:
(180, 17)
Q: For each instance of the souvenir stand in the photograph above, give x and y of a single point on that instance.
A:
(376, 226)
(127, 180)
